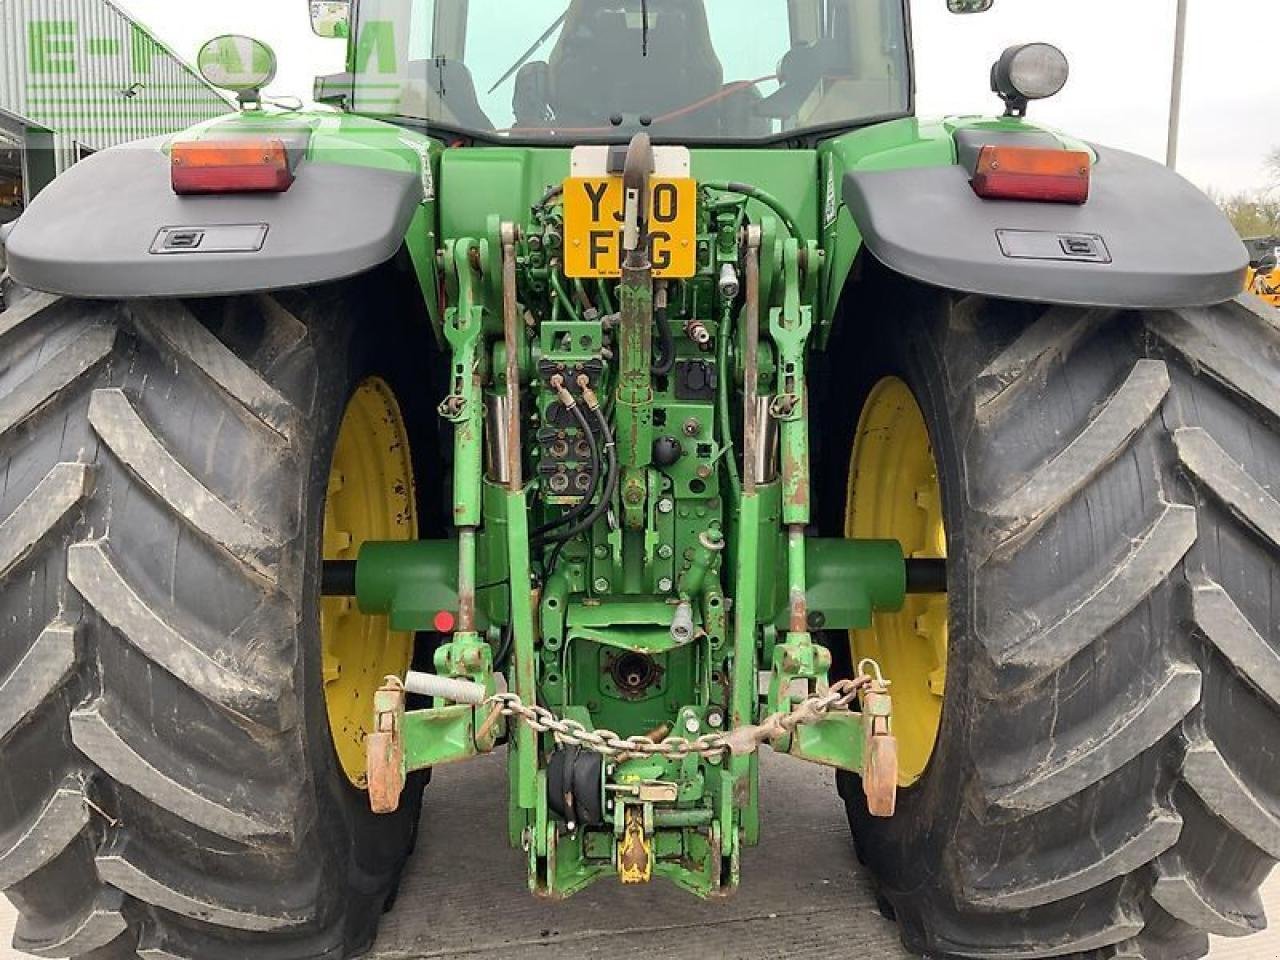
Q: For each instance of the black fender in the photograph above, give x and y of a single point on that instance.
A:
(1146, 238)
(105, 228)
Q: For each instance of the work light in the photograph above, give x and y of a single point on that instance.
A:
(1032, 71)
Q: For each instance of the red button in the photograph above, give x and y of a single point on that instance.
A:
(445, 622)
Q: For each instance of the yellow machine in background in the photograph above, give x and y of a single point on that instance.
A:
(1263, 279)
(1266, 284)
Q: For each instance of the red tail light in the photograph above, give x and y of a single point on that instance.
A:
(1027, 173)
(231, 166)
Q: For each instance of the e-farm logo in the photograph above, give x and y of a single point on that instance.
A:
(105, 83)
(59, 48)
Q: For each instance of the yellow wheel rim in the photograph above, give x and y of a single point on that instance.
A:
(893, 494)
(370, 497)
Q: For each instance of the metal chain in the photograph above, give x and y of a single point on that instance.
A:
(741, 741)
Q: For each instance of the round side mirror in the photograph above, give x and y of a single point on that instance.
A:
(240, 64)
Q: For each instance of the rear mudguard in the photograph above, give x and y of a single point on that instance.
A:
(1146, 238)
(107, 227)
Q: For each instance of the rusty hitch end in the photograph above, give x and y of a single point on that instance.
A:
(385, 748)
(880, 757)
(880, 781)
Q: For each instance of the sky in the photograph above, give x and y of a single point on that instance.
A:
(1118, 95)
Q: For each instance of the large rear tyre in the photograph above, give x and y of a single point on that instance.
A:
(1104, 782)
(171, 786)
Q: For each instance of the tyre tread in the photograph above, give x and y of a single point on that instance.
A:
(45, 667)
(134, 443)
(1104, 438)
(42, 839)
(61, 490)
(68, 365)
(124, 874)
(182, 333)
(141, 623)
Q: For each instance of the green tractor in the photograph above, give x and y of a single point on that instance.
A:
(630, 385)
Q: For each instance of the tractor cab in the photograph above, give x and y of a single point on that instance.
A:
(592, 70)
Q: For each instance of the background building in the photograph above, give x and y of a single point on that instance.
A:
(78, 76)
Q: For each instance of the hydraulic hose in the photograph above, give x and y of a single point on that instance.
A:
(563, 295)
(606, 301)
(574, 514)
(611, 484)
(722, 400)
(755, 193)
(665, 360)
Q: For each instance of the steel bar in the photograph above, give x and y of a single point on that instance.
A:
(511, 332)
(1175, 104)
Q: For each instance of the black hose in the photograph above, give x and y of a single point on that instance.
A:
(550, 567)
(611, 484)
(504, 648)
(551, 194)
(570, 516)
(665, 360)
(755, 193)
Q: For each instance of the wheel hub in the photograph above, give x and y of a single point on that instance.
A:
(370, 498)
(893, 494)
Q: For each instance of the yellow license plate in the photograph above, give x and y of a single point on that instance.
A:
(593, 227)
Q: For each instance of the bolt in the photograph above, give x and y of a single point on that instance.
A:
(692, 427)
(703, 471)
(665, 505)
(665, 551)
(691, 724)
(634, 495)
(715, 718)
(682, 623)
(729, 285)
(601, 585)
(664, 585)
(602, 551)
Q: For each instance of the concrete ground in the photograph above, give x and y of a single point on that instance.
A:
(803, 893)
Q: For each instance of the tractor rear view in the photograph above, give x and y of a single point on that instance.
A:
(632, 388)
